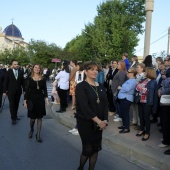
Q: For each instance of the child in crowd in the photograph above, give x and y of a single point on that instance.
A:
(54, 93)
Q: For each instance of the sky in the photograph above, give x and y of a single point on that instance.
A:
(59, 21)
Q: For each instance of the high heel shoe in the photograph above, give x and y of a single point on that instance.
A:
(73, 107)
(145, 139)
(140, 133)
(31, 133)
(38, 139)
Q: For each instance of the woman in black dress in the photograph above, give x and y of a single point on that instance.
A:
(35, 97)
(92, 115)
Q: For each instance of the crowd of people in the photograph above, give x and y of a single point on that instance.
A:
(133, 93)
(137, 103)
(129, 91)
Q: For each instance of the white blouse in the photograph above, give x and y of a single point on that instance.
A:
(63, 78)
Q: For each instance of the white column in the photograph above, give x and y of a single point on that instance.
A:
(149, 5)
(168, 49)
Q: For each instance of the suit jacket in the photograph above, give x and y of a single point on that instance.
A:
(13, 85)
(168, 72)
(110, 76)
(134, 66)
(2, 76)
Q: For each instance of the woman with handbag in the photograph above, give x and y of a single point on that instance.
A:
(118, 80)
(91, 114)
(165, 111)
(34, 99)
(148, 101)
(126, 97)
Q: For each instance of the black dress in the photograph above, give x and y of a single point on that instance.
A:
(87, 108)
(36, 91)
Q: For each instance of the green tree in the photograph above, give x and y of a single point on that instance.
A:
(19, 53)
(42, 53)
(115, 30)
(118, 24)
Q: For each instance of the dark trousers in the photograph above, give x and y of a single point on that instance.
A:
(110, 100)
(14, 104)
(144, 115)
(124, 108)
(117, 106)
(63, 98)
(1, 99)
(166, 124)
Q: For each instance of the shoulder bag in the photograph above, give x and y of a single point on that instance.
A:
(165, 100)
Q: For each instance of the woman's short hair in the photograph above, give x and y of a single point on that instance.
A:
(90, 65)
(159, 59)
(151, 73)
(125, 54)
(123, 65)
(142, 65)
(133, 70)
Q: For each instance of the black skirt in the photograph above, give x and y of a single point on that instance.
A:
(91, 136)
(38, 110)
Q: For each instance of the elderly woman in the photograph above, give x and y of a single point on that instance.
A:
(126, 97)
(140, 68)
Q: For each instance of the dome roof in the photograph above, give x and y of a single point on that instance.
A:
(12, 30)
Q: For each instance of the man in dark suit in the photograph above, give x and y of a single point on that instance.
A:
(2, 75)
(13, 88)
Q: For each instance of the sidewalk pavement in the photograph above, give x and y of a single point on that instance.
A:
(127, 144)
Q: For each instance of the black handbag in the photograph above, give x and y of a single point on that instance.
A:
(29, 105)
(137, 97)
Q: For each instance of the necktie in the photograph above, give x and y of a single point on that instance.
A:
(16, 74)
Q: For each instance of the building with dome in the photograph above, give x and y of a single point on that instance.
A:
(11, 38)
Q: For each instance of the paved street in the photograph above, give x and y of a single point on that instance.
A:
(59, 150)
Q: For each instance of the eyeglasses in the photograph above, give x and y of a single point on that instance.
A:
(165, 60)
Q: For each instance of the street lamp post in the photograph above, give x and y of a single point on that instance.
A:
(168, 50)
(149, 5)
